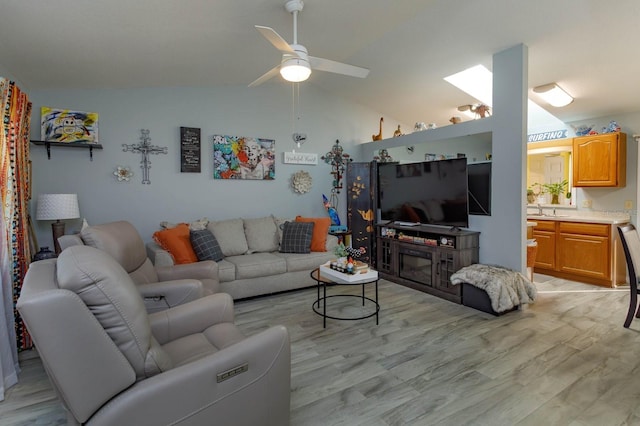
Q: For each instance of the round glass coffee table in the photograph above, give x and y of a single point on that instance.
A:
(323, 280)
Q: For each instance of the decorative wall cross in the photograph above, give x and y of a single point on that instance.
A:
(145, 148)
(338, 160)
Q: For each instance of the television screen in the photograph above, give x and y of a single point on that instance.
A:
(430, 192)
(479, 188)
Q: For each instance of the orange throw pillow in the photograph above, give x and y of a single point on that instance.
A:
(176, 241)
(320, 231)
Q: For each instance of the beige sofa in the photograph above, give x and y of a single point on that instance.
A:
(253, 264)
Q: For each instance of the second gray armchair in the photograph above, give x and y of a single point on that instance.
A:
(162, 287)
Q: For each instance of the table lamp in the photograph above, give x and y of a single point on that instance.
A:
(57, 207)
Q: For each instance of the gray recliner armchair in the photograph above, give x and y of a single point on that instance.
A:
(162, 287)
(112, 363)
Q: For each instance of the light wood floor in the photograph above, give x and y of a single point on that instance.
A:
(566, 360)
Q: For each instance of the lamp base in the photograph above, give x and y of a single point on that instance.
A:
(57, 228)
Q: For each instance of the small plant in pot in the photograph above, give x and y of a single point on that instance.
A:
(555, 189)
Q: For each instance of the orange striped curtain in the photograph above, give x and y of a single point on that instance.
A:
(15, 191)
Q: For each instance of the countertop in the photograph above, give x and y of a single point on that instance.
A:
(612, 219)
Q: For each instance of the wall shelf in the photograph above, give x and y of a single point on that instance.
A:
(48, 145)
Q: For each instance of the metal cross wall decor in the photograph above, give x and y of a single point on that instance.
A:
(145, 148)
(338, 160)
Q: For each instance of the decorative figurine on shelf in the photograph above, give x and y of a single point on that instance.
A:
(383, 156)
(482, 110)
(333, 213)
(583, 129)
(455, 119)
(611, 128)
(338, 160)
(420, 126)
(397, 132)
(145, 148)
(378, 137)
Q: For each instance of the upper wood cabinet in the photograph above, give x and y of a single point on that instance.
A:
(600, 160)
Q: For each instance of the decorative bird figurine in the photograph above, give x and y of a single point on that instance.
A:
(333, 213)
(378, 137)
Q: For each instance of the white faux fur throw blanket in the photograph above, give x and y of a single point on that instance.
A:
(506, 288)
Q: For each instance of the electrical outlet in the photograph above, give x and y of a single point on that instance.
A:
(587, 203)
(628, 204)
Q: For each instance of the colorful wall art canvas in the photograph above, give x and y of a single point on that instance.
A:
(66, 126)
(236, 157)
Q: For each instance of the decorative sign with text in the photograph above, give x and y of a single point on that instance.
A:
(300, 158)
(546, 136)
(189, 150)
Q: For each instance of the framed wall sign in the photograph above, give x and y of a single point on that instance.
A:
(190, 158)
(300, 158)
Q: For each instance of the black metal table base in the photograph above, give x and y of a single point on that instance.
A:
(322, 311)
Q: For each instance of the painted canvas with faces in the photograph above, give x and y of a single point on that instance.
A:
(67, 126)
(238, 157)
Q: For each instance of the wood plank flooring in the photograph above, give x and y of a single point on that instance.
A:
(565, 360)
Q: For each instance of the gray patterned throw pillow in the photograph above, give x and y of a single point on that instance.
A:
(296, 237)
(205, 245)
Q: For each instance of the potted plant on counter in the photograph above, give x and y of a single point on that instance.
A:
(555, 189)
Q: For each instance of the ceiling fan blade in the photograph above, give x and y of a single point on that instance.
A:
(266, 76)
(328, 65)
(275, 39)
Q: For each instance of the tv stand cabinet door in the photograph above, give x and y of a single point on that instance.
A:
(448, 264)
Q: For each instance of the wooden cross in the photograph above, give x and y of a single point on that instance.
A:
(145, 148)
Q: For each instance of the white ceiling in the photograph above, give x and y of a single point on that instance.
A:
(587, 46)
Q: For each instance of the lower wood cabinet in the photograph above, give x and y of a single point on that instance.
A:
(424, 257)
(581, 251)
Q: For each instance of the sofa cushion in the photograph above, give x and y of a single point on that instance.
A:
(176, 241)
(261, 234)
(230, 236)
(320, 231)
(296, 237)
(205, 245)
(306, 262)
(257, 265)
(113, 299)
(226, 271)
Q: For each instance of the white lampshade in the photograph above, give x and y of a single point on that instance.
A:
(553, 94)
(57, 206)
(295, 70)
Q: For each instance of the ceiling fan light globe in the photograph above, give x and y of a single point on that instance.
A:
(295, 70)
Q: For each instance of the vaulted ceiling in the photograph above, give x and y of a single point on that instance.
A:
(587, 46)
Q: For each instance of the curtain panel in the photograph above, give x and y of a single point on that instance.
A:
(15, 251)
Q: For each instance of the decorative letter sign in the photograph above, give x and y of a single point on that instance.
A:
(300, 158)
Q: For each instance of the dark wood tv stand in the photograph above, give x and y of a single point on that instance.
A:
(424, 257)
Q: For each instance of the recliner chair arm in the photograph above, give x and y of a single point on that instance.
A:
(167, 294)
(204, 392)
(197, 270)
(184, 320)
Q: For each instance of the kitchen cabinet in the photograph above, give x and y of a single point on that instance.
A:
(583, 249)
(545, 235)
(600, 160)
(580, 251)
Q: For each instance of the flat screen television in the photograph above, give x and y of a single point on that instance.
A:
(479, 188)
(429, 192)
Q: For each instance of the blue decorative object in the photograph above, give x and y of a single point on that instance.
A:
(333, 213)
(611, 128)
(583, 129)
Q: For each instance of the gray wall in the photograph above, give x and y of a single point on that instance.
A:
(264, 111)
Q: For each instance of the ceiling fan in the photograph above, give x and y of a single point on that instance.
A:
(296, 64)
